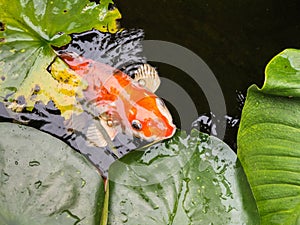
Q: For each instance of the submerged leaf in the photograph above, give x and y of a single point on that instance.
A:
(268, 140)
(43, 181)
(29, 29)
(187, 180)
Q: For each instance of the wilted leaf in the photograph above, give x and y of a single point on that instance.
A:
(187, 180)
(29, 29)
(268, 140)
(43, 181)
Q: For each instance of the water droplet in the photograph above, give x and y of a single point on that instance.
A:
(83, 182)
(203, 166)
(38, 184)
(4, 177)
(186, 179)
(123, 202)
(73, 216)
(124, 217)
(34, 163)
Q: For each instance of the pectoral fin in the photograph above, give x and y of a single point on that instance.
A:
(146, 76)
(96, 138)
(93, 132)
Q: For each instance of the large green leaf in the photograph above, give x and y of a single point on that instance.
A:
(28, 29)
(269, 140)
(43, 181)
(191, 179)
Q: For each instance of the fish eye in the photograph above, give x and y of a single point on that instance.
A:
(136, 125)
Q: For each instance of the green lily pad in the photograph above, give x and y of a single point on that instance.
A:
(268, 140)
(43, 181)
(191, 179)
(28, 30)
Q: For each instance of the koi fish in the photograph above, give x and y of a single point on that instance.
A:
(123, 104)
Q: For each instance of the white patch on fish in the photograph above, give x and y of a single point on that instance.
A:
(163, 109)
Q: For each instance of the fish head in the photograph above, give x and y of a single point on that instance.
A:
(150, 119)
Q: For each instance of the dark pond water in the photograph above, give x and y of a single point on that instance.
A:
(236, 39)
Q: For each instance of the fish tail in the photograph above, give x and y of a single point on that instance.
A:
(117, 50)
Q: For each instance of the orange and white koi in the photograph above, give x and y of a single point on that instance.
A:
(123, 102)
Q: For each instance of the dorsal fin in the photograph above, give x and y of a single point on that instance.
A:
(146, 76)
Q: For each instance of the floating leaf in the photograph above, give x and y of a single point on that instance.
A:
(43, 181)
(28, 31)
(187, 180)
(268, 140)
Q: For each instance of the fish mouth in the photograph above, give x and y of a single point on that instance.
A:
(144, 137)
(171, 130)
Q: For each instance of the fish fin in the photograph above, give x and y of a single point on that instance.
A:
(147, 77)
(77, 122)
(110, 129)
(96, 138)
